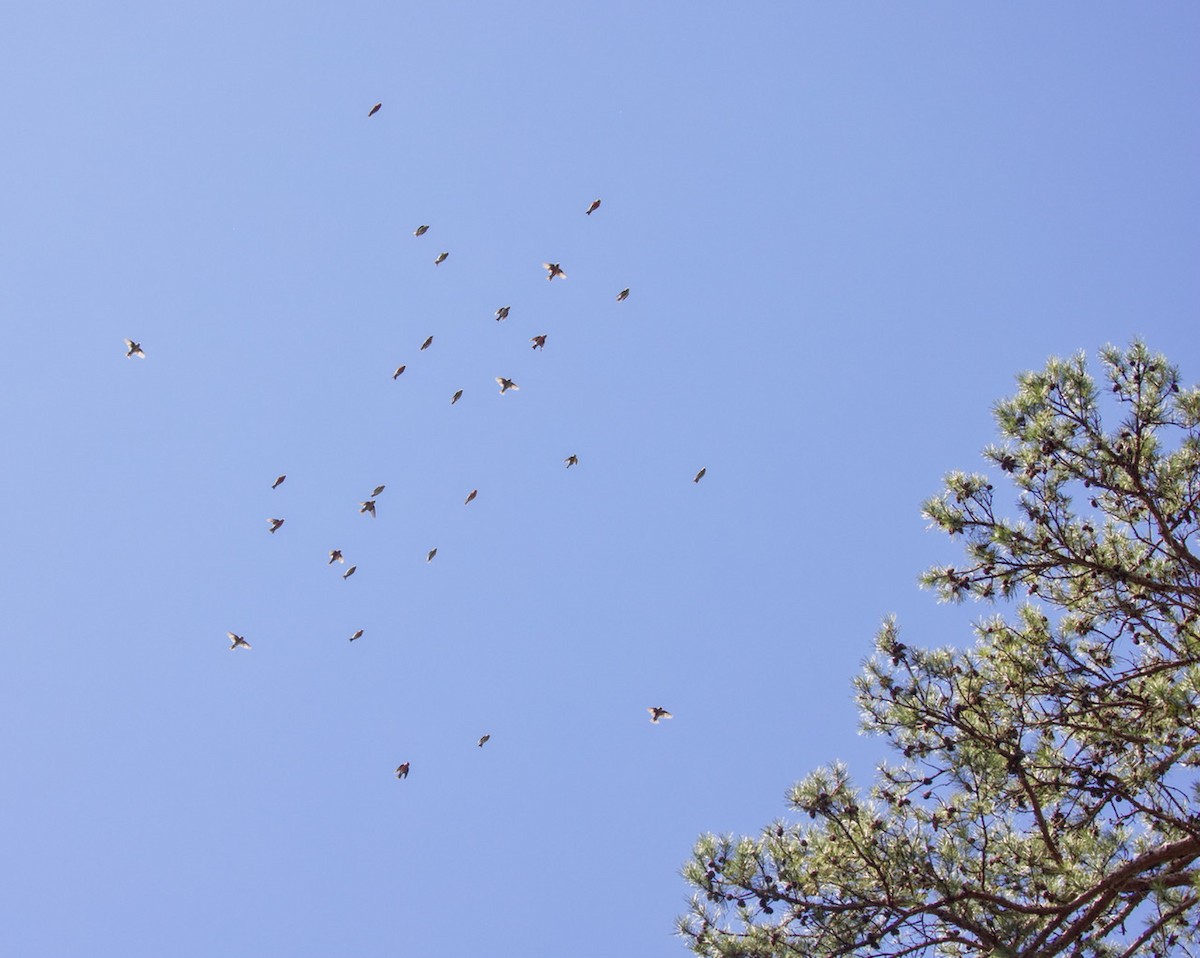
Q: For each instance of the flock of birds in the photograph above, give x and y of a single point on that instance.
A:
(367, 506)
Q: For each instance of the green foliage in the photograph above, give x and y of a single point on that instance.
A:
(1043, 798)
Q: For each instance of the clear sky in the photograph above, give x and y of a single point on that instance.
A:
(845, 228)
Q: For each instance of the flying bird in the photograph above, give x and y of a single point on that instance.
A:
(275, 484)
(420, 231)
(425, 345)
(502, 313)
(657, 713)
(592, 209)
(368, 506)
(623, 295)
(335, 555)
(349, 572)
(456, 397)
(441, 258)
(555, 270)
(238, 640)
(474, 493)
(571, 460)
(700, 475)
(539, 341)
(402, 770)
(432, 553)
(135, 349)
(375, 109)
(399, 370)
(356, 635)
(506, 384)
(484, 739)
(275, 523)
(378, 490)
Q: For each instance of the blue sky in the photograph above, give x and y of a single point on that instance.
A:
(845, 228)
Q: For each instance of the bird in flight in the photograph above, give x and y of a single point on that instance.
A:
(571, 460)
(275, 524)
(474, 493)
(335, 555)
(399, 370)
(134, 349)
(377, 491)
(356, 635)
(375, 109)
(420, 231)
(539, 341)
(441, 258)
(484, 739)
(277, 482)
(592, 209)
(238, 640)
(623, 295)
(432, 553)
(555, 270)
(657, 713)
(502, 313)
(456, 397)
(425, 345)
(349, 572)
(700, 475)
(402, 770)
(506, 384)
(368, 506)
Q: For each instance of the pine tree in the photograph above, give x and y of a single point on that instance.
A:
(1043, 796)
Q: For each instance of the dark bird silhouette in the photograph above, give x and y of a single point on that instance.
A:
(456, 397)
(571, 460)
(349, 572)
(238, 640)
(276, 483)
(134, 349)
(420, 231)
(335, 555)
(623, 295)
(425, 345)
(356, 635)
(502, 313)
(432, 553)
(657, 713)
(539, 341)
(555, 270)
(474, 493)
(592, 209)
(440, 259)
(484, 739)
(377, 491)
(275, 524)
(368, 506)
(399, 370)
(700, 475)
(506, 384)
(402, 770)
(375, 109)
